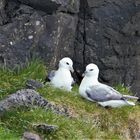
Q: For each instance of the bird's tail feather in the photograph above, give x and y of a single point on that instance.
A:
(130, 103)
(130, 97)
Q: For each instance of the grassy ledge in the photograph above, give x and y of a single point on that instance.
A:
(89, 121)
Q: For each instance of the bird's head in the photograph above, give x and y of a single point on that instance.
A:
(66, 63)
(92, 70)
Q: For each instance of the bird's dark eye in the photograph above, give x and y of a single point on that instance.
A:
(91, 69)
(67, 63)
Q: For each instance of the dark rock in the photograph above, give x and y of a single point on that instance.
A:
(30, 136)
(16, 38)
(3, 15)
(108, 35)
(50, 6)
(31, 34)
(45, 128)
(33, 84)
(25, 97)
(57, 41)
(28, 98)
(95, 3)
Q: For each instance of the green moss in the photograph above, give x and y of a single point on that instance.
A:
(88, 121)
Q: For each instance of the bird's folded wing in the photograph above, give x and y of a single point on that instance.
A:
(50, 75)
(102, 93)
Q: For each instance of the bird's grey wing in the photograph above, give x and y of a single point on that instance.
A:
(50, 76)
(103, 92)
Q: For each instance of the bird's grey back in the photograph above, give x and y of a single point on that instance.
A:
(103, 92)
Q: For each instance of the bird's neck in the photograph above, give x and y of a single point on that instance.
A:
(62, 69)
(86, 83)
(89, 81)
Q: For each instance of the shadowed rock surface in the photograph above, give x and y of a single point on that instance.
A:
(103, 32)
(50, 6)
(28, 98)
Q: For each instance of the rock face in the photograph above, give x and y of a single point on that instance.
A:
(103, 32)
(30, 33)
(108, 34)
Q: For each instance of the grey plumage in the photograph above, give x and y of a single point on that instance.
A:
(51, 74)
(101, 93)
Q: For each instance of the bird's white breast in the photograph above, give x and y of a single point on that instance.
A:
(85, 84)
(62, 79)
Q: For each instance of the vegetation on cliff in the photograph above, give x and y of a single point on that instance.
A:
(88, 120)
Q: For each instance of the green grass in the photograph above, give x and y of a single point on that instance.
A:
(88, 121)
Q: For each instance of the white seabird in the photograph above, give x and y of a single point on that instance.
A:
(91, 89)
(62, 78)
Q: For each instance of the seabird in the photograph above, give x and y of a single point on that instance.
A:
(62, 78)
(91, 89)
